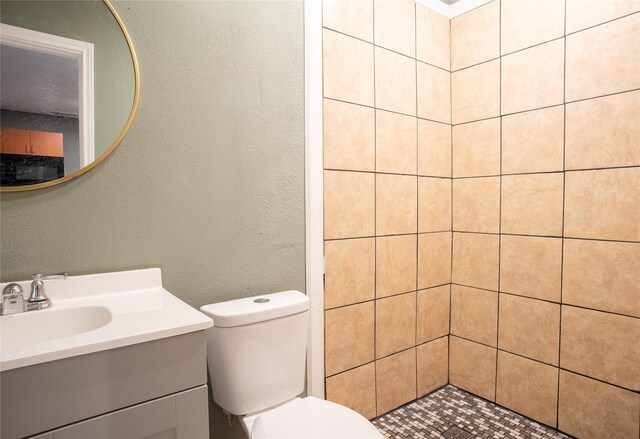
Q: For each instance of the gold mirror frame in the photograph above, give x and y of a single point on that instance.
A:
(116, 142)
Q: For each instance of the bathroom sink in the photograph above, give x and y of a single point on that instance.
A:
(94, 313)
(41, 326)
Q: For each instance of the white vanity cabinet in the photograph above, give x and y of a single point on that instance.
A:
(151, 390)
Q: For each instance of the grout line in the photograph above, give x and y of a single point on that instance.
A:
(451, 154)
(546, 236)
(375, 217)
(387, 356)
(550, 106)
(564, 191)
(547, 364)
(392, 235)
(564, 35)
(514, 174)
(387, 173)
(415, 333)
(384, 109)
(495, 391)
(549, 301)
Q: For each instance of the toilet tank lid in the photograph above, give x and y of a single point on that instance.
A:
(256, 309)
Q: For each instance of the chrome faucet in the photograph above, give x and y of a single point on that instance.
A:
(13, 298)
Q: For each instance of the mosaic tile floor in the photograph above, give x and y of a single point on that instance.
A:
(452, 413)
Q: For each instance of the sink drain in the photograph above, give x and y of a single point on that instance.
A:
(457, 433)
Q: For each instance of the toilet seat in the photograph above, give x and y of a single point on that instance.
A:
(312, 418)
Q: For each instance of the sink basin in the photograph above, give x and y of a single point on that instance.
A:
(94, 313)
(40, 326)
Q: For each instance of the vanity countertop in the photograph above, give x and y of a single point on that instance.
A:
(94, 313)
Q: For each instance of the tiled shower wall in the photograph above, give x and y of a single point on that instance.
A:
(544, 155)
(545, 299)
(387, 160)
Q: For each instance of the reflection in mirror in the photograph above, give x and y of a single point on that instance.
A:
(68, 89)
(46, 106)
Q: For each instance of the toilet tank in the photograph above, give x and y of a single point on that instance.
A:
(256, 350)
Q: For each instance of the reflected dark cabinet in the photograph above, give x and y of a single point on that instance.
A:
(33, 143)
(30, 157)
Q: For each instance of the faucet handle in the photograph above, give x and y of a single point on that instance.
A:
(38, 299)
(38, 277)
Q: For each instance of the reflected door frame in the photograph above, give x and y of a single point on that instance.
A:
(65, 47)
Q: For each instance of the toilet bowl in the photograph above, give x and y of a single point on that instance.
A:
(309, 417)
(256, 354)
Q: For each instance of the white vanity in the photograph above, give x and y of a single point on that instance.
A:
(116, 355)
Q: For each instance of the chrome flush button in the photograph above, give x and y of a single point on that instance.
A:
(262, 300)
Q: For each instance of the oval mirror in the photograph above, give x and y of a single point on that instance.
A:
(69, 86)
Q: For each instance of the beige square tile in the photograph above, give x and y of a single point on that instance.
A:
(396, 143)
(602, 275)
(528, 387)
(533, 78)
(532, 204)
(349, 136)
(433, 37)
(434, 93)
(396, 204)
(475, 36)
(395, 25)
(533, 141)
(529, 22)
(475, 260)
(347, 68)
(352, 17)
(349, 271)
(472, 367)
(593, 410)
(603, 204)
(434, 149)
(395, 380)
(474, 314)
(433, 365)
(530, 328)
(476, 205)
(434, 204)
(601, 345)
(395, 265)
(349, 204)
(356, 389)
(434, 259)
(586, 13)
(395, 82)
(433, 313)
(395, 324)
(348, 333)
(603, 59)
(476, 148)
(531, 266)
(604, 132)
(475, 92)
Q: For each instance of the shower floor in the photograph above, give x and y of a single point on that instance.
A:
(452, 413)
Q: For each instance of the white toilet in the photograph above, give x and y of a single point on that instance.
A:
(256, 352)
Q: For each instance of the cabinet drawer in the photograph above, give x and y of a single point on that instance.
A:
(137, 422)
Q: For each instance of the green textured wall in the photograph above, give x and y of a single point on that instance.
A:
(209, 182)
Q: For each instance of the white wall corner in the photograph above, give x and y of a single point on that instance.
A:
(314, 246)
